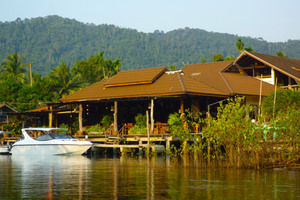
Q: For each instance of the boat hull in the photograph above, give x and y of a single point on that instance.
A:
(50, 149)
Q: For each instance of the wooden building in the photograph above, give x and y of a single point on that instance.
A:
(5, 112)
(162, 92)
(270, 68)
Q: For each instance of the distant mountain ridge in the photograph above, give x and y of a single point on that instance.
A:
(45, 42)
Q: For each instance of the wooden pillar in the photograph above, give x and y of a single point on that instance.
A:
(152, 116)
(80, 118)
(168, 144)
(290, 83)
(181, 106)
(50, 117)
(115, 117)
(148, 132)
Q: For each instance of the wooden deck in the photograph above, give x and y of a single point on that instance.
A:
(158, 142)
(122, 147)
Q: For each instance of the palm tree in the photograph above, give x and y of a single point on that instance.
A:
(100, 62)
(239, 45)
(65, 80)
(112, 67)
(13, 67)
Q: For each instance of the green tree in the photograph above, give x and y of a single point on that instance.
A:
(66, 80)
(9, 91)
(239, 45)
(218, 57)
(230, 58)
(111, 67)
(285, 99)
(13, 68)
(203, 60)
(281, 54)
(97, 68)
(172, 67)
(101, 66)
(249, 49)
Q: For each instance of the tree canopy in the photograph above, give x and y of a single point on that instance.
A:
(64, 79)
(47, 41)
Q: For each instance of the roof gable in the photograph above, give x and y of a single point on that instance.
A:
(7, 108)
(218, 76)
(287, 66)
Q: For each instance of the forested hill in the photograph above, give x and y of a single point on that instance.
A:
(45, 42)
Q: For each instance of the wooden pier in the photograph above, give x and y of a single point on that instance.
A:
(158, 143)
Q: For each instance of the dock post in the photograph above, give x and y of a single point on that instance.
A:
(208, 150)
(140, 147)
(167, 144)
(115, 151)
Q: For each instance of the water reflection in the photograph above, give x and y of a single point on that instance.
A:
(64, 177)
(47, 177)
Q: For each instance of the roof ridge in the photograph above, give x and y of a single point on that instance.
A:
(204, 83)
(181, 82)
(275, 56)
(143, 69)
(227, 83)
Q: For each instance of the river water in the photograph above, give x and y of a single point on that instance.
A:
(79, 177)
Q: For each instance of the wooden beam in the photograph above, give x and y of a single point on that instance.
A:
(148, 132)
(80, 118)
(50, 117)
(115, 117)
(241, 69)
(255, 67)
(152, 115)
(181, 106)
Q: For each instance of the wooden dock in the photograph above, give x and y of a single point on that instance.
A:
(122, 147)
(158, 143)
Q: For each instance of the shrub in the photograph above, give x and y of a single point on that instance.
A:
(95, 128)
(140, 125)
(107, 120)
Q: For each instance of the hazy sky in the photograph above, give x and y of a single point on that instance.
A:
(273, 20)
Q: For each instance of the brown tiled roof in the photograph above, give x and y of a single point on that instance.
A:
(165, 85)
(288, 66)
(246, 85)
(168, 84)
(209, 79)
(209, 73)
(134, 77)
(230, 83)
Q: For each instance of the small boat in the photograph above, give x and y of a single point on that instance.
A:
(48, 141)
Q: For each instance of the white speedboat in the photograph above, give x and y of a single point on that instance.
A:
(48, 141)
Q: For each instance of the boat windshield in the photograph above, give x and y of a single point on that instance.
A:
(42, 135)
(46, 137)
